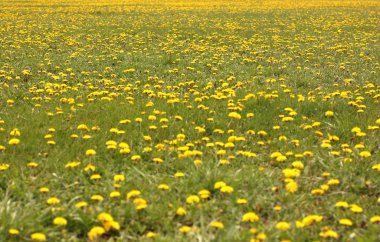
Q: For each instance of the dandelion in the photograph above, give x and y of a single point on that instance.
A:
(291, 173)
(192, 199)
(234, 115)
(83, 127)
(311, 219)
(111, 225)
(329, 233)
(365, 154)
(179, 174)
(204, 194)
(95, 177)
(226, 189)
(281, 158)
(97, 198)
(136, 158)
(140, 203)
(342, 204)
(219, 184)
(95, 232)
(38, 237)
(277, 208)
(250, 217)
(298, 164)
(151, 234)
(59, 221)
(282, 226)
(181, 211)
(375, 219)
(72, 164)
(81, 204)
(90, 152)
(333, 182)
(89, 167)
(4, 166)
(115, 194)
(15, 132)
(291, 187)
(133, 194)
(198, 162)
(241, 201)
(317, 191)
(105, 217)
(118, 178)
(356, 209)
(13, 232)
(14, 142)
(216, 224)
(376, 167)
(345, 222)
(163, 187)
(157, 160)
(53, 201)
(185, 229)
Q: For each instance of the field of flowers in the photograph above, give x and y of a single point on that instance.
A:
(189, 120)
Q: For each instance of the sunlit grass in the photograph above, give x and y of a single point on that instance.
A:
(189, 120)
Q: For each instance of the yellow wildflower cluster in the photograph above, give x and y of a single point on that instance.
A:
(189, 120)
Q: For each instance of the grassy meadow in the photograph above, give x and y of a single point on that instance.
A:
(189, 120)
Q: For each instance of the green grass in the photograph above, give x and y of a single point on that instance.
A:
(199, 64)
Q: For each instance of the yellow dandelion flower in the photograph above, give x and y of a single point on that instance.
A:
(81, 204)
(4, 166)
(375, 219)
(59, 221)
(192, 199)
(329, 233)
(234, 115)
(219, 184)
(345, 222)
(181, 211)
(105, 217)
(115, 194)
(38, 237)
(365, 154)
(111, 225)
(216, 224)
(163, 187)
(185, 229)
(95, 232)
(179, 174)
(14, 141)
(136, 158)
(250, 217)
(118, 178)
(151, 234)
(204, 193)
(282, 226)
(72, 164)
(97, 198)
(291, 187)
(342, 204)
(227, 189)
(356, 209)
(53, 201)
(241, 201)
(90, 152)
(329, 114)
(133, 194)
(13, 232)
(376, 167)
